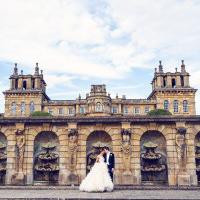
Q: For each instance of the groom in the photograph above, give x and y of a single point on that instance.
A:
(109, 159)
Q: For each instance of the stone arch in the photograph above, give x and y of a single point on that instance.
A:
(3, 158)
(94, 143)
(153, 157)
(46, 158)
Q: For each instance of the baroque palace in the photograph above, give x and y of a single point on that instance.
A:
(60, 149)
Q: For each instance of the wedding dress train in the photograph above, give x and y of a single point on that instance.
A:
(98, 179)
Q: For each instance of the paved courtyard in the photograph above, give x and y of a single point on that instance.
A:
(62, 194)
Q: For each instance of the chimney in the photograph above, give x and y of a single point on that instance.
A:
(183, 67)
(160, 67)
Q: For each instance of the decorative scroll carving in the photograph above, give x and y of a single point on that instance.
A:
(126, 149)
(181, 149)
(73, 149)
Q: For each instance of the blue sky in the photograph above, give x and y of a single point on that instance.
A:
(82, 42)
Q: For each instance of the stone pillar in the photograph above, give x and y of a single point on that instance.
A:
(73, 148)
(127, 177)
(186, 80)
(169, 80)
(135, 162)
(159, 81)
(29, 83)
(63, 160)
(183, 177)
(178, 81)
(19, 176)
(10, 157)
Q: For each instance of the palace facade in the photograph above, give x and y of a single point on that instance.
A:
(60, 149)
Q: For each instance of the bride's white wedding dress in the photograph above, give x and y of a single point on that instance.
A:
(98, 179)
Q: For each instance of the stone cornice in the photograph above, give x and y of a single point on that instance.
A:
(105, 120)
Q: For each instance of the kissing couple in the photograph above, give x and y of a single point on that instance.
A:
(100, 177)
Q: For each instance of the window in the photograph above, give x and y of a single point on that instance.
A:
(82, 110)
(16, 84)
(137, 110)
(23, 107)
(99, 107)
(24, 85)
(32, 107)
(114, 109)
(175, 106)
(166, 105)
(70, 111)
(60, 111)
(13, 108)
(173, 82)
(185, 106)
(125, 110)
(164, 82)
(182, 81)
(33, 83)
(146, 110)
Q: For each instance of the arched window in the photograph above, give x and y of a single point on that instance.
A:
(166, 105)
(173, 82)
(32, 107)
(99, 107)
(24, 85)
(185, 106)
(23, 107)
(13, 108)
(175, 106)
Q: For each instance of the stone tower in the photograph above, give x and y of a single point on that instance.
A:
(172, 91)
(26, 93)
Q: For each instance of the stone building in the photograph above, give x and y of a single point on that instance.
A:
(61, 148)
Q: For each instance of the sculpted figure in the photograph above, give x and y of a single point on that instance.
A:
(126, 149)
(181, 149)
(20, 144)
(73, 149)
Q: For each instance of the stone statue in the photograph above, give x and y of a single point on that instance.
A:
(20, 145)
(73, 149)
(126, 149)
(181, 149)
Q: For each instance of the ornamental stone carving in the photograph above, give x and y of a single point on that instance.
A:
(20, 147)
(181, 149)
(126, 149)
(73, 149)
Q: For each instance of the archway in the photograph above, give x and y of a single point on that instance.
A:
(153, 158)
(46, 158)
(3, 158)
(95, 141)
(197, 155)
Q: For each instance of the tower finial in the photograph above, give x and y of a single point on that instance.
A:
(160, 66)
(15, 70)
(183, 67)
(36, 69)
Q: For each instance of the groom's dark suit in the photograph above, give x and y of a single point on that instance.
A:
(110, 164)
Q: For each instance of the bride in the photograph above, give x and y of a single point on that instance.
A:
(98, 179)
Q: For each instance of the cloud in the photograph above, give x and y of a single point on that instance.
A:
(100, 40)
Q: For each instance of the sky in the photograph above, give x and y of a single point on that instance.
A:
(82, 42)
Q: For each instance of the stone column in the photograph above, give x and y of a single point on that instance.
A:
(178, 81)
(73, 149)
(126, 150)
(10, 157)
(169, 80)
(63, 160)
(183, 178)
(20, 149)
